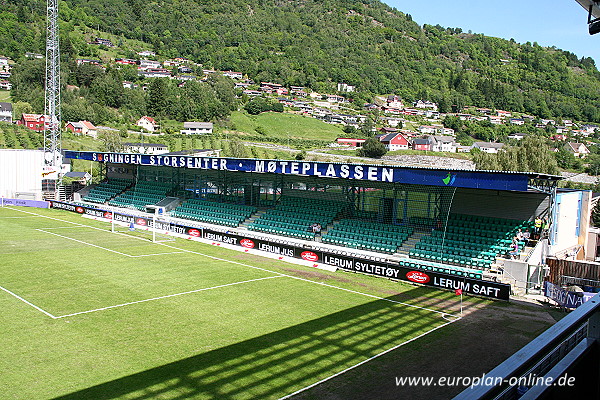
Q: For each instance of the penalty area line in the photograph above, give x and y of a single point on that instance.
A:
(367, 360)
(164, 297)
(82, 242)
(28, 303)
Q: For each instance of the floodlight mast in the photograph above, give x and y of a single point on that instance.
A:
(52, 136)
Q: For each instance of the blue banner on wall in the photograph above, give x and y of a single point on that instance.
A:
(363, 172)
(564, 297)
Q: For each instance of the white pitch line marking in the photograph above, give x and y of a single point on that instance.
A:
(104, 248)
(17, 217)
(28, 303)
(89, 244)
(164, 297)
(64, 227)
(367, 360)
(159, 254)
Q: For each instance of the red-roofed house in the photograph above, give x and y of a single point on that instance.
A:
(350, 142)
(34, 122)
(147, 123)
(82, 128)
(395, 141)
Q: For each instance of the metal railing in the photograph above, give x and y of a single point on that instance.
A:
(549, 356)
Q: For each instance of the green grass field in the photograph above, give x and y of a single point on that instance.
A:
(284, 125)
(90, 314)
(5, 95)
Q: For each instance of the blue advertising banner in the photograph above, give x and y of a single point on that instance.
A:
(564, 297)
(364, 172)
(24, 203)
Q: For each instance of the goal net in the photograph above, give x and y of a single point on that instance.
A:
(156, 227)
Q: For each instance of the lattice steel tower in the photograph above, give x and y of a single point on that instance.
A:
(52, 145)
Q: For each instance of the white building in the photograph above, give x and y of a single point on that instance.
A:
(145, 148)
(443, 143)
(22, 173)
(147, 123)
(344, 87)
(488, 147)
(197, 128)
(6, 112)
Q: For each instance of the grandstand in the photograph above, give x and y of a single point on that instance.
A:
(452, 222)
(213, 212)
(107, 190)
(295, 216)
(142, 194)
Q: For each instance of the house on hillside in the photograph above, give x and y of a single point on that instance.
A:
(425, 104)
(101, 41)
(147, 53)
(443, 144)
(147, 123)
(233, 75)
(517, 136)
(495, 120)
(577, 149)
(558, 137)
(427, 129)
(34, 55)
(395, 141)
(344, 87)
(81, 61)
(5, 85)
(385, 130)
(146, 64)
(35, 122)
(195, 153)
(350, 142)
(6, 112)
(85, 128)
(145, 148)
(488, 147)
(197, 128)
(155, 73)
(125, 61)
(423, 143)
(395, 102)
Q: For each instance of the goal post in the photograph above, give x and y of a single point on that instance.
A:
(161, 225)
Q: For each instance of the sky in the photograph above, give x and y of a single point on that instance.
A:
(560, 23)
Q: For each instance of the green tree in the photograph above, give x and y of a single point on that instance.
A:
(372, 148)
(158, 97)
(366, 128)
(111, 141)
(596, 215)
(237, 149)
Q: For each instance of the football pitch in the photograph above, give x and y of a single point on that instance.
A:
(92, 314)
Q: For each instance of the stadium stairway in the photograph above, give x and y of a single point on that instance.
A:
(410, 243)
(253, 217)
(77, 196)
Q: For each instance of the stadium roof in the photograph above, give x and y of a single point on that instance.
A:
(444, 177)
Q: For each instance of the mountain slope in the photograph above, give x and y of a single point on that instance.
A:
(319, 43)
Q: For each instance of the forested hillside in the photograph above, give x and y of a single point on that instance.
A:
(317, 43)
